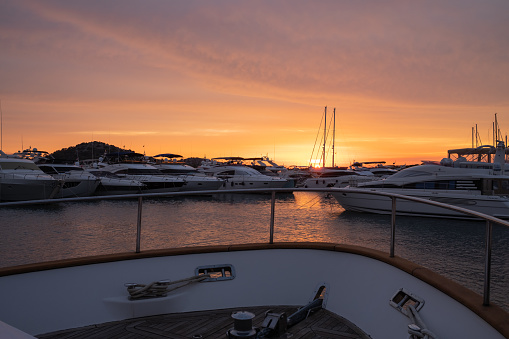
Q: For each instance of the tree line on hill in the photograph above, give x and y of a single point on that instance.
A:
(95, 149)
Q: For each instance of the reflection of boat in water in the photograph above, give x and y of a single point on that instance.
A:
(343, 290)
(21, 179)
(479, 186)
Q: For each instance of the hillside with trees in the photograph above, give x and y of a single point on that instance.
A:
(85, 151)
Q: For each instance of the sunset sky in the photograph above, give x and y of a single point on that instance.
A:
(408, 79)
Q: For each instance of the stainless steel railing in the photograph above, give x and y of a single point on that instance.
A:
(490, 220)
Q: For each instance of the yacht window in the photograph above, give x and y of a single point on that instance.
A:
(68, 169)
(226, 173)
(19, 165)
(441, 185)
(48, 169)
(141, 171)
(410, 173)
(500, 186)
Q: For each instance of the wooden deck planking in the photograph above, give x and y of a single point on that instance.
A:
(212, 325)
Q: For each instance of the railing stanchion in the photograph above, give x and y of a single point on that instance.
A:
(487, 264)
(393, 226)
(138, 228)
(272, 209)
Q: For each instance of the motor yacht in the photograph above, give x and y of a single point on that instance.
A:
(249, 290)
(266, 166)
(194, 180)
(479, 186)
(112, 184)
(21, 179)
(77, 181)
(377, 168)
(336, 177)
(238, 176)
(153, 179)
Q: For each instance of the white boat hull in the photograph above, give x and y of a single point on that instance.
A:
(252, 182)
(359, 284)
(492, 205)
(200, 183)
(13, 188)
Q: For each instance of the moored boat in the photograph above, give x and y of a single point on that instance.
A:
(194, 180)
(479, 186)
(336, 177)
(21, 179)
(112, 184)
(77, 181)
(241, 177)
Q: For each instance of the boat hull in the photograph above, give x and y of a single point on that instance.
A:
(492, 205)
(359, 282)
(13, 189)
(247, 182)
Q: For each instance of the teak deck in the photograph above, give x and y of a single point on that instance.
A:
(213, 325)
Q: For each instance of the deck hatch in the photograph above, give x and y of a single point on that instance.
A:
(402, 299)
(217, 272)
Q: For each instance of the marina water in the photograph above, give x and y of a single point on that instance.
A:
(453, 248)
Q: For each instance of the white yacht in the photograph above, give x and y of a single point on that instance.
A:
(479, 186)
(112, 184)
(151, 177)
(194, 180)
(266, 166)
(247, 290)
(77, 181)
(377, 168)
(336, 177)
(21, 179)
(237, 177)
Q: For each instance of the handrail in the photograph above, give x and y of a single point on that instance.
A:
(488, 218)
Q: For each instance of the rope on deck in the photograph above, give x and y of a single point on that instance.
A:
(158, 289)
(417, 329)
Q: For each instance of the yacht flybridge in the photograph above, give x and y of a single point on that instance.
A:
(479, 186)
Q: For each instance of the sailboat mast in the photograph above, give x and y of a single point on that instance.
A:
(334, 137)
(324, 136)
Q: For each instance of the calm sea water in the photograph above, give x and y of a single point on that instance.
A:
(454, 248)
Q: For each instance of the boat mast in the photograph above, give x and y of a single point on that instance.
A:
(324, 136)
(334, 137)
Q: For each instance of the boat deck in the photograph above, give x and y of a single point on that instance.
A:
(213, 324)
